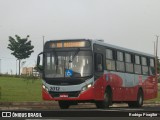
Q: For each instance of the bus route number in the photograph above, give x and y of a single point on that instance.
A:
(54, 88)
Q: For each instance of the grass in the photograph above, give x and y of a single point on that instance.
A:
(19, 89)
(158, 98)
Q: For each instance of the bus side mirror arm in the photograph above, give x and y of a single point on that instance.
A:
(39, 67)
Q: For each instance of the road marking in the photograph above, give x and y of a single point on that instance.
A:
(120, 109)
(134, 109)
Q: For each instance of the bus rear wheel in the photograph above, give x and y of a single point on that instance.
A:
(139, 101)
(63, 104)
(106, 102)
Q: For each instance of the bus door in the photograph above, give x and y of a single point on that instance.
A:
(99, 72)
(98, 65)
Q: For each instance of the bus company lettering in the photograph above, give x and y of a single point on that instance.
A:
(14, 114)
(19, 114)
(34, 115)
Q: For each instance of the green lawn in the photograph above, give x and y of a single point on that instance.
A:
(158, 98)
(19, 89)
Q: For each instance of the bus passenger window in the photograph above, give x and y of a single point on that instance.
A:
(144, 60)
(145, 70)
(129, 64)
(137, 69)
(109, 54)
(110, 63)
(119, 56)
(144, 65)
(137, 59)
(120, 61)
(137, 66)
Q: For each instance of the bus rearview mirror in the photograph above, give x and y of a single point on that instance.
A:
(40, 67)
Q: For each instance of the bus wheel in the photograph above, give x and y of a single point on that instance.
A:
(63, 104)
(106, 102)
(139, 101)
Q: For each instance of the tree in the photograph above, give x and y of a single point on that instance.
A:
(21, 48)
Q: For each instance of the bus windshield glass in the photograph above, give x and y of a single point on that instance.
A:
(68, 64)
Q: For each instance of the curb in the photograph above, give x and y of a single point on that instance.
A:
(52, 103)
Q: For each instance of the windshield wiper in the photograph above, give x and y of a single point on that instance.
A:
(70, 60)
(77, 51)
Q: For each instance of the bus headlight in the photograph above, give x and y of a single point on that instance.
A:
(89, 85)
(86, 87)
(44, 87)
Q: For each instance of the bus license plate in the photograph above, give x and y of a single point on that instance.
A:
(63, 96)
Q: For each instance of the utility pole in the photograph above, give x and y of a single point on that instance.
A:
(157, 45)
(43, 42)
(156, 58)
(0, 66)
(154, 48)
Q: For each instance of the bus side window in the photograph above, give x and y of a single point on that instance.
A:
(120, 61)
(110, 62)
(137, 65)
(129, 64)
(144, 65)
(151, 67)
(99, 63)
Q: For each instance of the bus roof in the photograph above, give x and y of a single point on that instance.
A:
(101, 42)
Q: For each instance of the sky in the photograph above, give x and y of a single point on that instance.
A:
(131, 24)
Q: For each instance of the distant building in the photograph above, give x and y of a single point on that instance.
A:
(29, 71)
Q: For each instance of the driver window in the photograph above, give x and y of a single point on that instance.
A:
(99, 63)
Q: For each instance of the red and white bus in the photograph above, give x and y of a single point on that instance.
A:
(83, 70)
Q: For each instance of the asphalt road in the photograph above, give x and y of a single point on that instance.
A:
(80, 107)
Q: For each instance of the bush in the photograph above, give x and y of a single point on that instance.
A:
(20, 76)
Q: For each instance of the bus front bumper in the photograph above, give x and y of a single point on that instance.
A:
(77, 95)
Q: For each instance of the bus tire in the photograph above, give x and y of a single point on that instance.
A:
(139, 102)
(63, 104)
(106, 102)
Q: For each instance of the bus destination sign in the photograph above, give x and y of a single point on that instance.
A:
(68, 44)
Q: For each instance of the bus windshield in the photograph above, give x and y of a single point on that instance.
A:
(77, 63)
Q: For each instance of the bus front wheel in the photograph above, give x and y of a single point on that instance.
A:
(106, 102)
